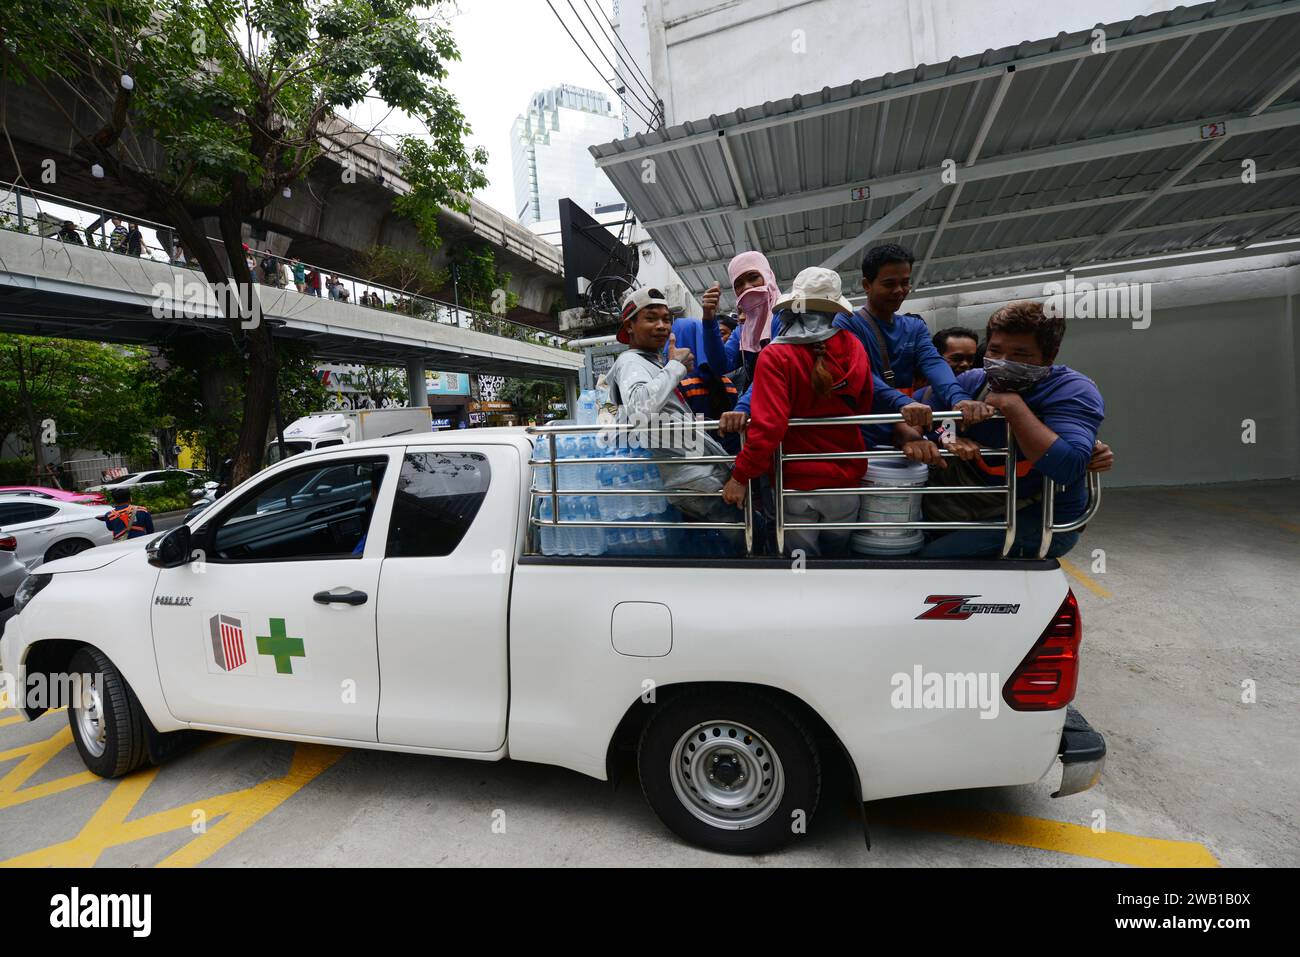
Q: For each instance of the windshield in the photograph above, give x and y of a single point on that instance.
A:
(290, 448)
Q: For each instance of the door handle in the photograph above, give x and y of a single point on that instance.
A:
(353, 597)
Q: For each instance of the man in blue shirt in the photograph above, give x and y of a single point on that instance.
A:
(127, 520)
(899, 344)
(1054, 413)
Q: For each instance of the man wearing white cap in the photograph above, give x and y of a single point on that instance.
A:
(644, 382)
(810, 370)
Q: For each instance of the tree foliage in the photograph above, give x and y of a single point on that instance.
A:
(79, 394)
(204, 409)
(227, 103)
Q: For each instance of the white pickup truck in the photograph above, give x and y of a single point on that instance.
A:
(388, 594)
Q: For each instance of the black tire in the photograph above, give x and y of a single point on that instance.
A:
(66, 549)
(708, 713)
(121, 717)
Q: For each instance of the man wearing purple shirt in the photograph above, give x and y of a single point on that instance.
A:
(1055, 414)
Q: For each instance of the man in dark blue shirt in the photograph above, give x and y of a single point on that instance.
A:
(127, 520)
(899, 344)
(1054, 413)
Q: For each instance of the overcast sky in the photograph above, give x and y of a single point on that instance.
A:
(509, 49)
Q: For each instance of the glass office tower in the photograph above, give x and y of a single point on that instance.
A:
(549, 149)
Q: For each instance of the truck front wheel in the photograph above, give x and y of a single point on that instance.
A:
(107, 721)
(731, 771)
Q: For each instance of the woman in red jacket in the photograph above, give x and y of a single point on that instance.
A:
(811, 370)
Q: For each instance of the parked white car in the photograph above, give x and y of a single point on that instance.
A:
(46, 530)
(12, 571)
(411, 561)
(152, 478)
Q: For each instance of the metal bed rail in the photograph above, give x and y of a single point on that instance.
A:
(746, 525)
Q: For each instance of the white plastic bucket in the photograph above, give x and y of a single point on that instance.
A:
(891, 508)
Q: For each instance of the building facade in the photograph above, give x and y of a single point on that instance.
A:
(549, 149)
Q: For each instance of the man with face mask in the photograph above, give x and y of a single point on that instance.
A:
(1054, 413)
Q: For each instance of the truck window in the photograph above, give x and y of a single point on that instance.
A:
(438, 495)
(318, 511)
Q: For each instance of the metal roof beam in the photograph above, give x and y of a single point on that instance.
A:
(896, 215)
(1106, 267)
(1102, 147)
(1069, 241)
(1178, 31)
(1287, 81)
(990, 115)
(1028, 212)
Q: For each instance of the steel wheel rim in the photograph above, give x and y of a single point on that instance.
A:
(90, 720)
(726, 775)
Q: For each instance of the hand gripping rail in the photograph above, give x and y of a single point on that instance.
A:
(1008, 488)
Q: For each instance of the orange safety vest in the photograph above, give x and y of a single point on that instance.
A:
(127, 515)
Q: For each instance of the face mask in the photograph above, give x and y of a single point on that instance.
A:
(1007, 376)
(753, 301)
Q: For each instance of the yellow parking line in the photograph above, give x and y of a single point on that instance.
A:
(1059, 836)
(1078, 575)
(224, 816)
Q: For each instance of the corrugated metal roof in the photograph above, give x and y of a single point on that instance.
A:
(1063, 156)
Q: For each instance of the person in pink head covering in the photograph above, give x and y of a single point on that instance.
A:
(756, 292)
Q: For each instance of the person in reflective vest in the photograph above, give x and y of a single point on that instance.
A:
(127, 520)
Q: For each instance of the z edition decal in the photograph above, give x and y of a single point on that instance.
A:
(960, 607)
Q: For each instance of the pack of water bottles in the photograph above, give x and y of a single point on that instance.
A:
(611, 477)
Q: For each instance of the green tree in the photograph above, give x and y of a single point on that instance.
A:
(531, 397)
(203, 410)
(377, 382)
(225, 107)
(71, 392)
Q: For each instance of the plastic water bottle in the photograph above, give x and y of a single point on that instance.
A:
(595, 536)
(588, 448)
(624, 507)
(586, 412)
(605, 481)
(542, 473)
(570, 539)
(546, 533)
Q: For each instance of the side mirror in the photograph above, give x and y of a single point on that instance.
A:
(172, 549)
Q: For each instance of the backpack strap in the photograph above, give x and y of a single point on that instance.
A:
(888, 373)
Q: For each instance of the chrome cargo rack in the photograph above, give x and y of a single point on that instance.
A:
(780, 492)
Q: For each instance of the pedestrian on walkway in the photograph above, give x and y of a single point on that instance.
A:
(299, 275)
(68, 233)
(117, 238)
(134, 240)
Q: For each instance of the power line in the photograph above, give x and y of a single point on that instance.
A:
(648, 123)
(647, 85)
(650, 106)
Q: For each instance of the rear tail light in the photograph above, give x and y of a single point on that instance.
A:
(8, 544)
(1047, 678)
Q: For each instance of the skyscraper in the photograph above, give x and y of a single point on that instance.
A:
(549, 150)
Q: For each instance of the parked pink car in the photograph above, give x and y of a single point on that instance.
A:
(38, 491)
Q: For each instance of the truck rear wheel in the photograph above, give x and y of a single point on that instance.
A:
(107, 721)
(730, 771)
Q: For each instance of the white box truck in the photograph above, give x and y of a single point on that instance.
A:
(323, 429)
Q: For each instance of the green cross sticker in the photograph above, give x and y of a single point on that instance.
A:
(281, 647)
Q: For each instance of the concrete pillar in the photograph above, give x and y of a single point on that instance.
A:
(571, 396)
(415, 384)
